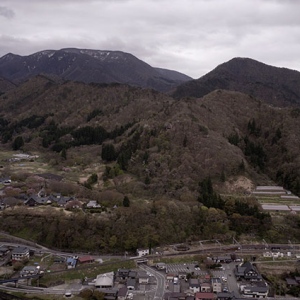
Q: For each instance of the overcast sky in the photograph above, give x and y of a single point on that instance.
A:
(189, 36)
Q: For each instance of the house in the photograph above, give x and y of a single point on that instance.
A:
(105, 281)
(132, 274)
(93, 204)
(59, 199)
(73, 204)
(87, 259)
(194, 285)
(122, 293)
(123, 273)
(256, 291)
(20, 253)
(34, 200)
(205, 287)
(62, 201)
(247, 271)
(205, 296)
(174, 296)
(225, 296)
(170, 277)
(290, 282)
(130, 284)
(29, 271)
(71, 262)
(142, 252)
(55, 196)
(4, 250)
(143, 277)
(222, 259)
(216, 285)
(110, 294)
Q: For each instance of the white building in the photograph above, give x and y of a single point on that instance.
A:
(142, 252)
(20, 253)
(105, 280)
(216, 285)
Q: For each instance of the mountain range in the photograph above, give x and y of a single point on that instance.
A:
(242, 118)
(89, 66)
(187, 158)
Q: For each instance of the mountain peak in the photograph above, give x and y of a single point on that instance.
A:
(276, 86)
(88, 65)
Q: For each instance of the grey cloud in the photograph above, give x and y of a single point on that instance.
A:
(191, 36)
(6, 12)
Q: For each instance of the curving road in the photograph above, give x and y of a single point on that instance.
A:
(160, 279)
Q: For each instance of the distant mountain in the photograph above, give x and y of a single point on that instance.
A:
(173, 75)
(89, 66)
(275, 86)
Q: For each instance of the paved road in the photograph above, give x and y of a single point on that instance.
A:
(231, 280)
(160, 279)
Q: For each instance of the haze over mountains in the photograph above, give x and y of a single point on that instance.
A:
(89, 66)
(276, 86)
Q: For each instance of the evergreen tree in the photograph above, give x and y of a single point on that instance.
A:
(242, 166)
(64, 153)
(207, 195)
(146, 157)
(18, 143)
(123, 158)
(223, 176)
(185, 140)
(126, 202)
(108, 152)
(147, 179)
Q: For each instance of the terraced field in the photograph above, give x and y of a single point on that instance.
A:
(276, 199)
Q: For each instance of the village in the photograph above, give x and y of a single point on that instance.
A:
(221, 276)
(225, 272)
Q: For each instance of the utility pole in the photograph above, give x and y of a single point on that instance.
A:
(237, 243)
(201, 245)
(266, 244)
(220, 245)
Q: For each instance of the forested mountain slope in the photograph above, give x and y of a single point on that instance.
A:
(276, 86)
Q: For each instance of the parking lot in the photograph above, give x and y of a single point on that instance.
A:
(184, 268)
(226, 273)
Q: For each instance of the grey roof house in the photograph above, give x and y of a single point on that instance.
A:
(247, 271)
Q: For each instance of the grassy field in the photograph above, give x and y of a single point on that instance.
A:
(89, 271)
(278, 266)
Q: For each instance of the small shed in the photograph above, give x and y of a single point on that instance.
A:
(87, 259)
